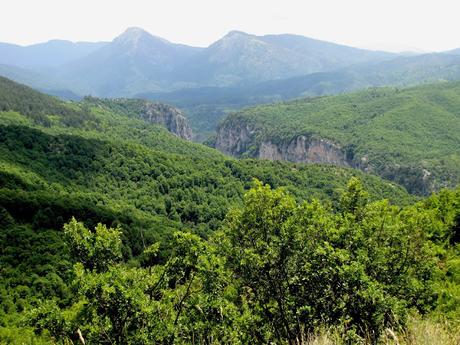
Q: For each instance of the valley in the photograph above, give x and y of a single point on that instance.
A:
(262, 189)
(407, 135)
(208, 83)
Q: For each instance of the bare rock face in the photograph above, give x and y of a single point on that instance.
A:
(302, 149)
(169, 117)
(234, 140)
(238, 139)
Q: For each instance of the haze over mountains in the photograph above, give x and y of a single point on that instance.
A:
(402, 71)
(137, 61)
(313, 215)
(53, 53)
(238, 70)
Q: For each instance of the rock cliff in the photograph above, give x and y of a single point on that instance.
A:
(234, 139)
(239, 140)
(303, 149)
(169, 117)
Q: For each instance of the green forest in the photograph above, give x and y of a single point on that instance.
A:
(115, 231)
(409, 136)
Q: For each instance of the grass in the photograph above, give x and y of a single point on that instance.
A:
(418, 332)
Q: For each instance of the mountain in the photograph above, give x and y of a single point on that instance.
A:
(35, 65)
(122, 123)
(22, 99)
(454, 51)
(43, 82)
(240, 58)
(147, 63)
(125, 122)
(238, 70)
(103, 159)
(45, 55)
(409, 135)
(207, 106)
(138, 62)
(175, 238)
(156, 113)
(132, 62)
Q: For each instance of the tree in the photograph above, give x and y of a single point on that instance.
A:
(95, 250)
(300, 267)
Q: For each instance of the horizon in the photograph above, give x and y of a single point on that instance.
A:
(402, 50)
(391, 26)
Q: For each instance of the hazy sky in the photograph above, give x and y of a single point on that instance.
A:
(378, 24)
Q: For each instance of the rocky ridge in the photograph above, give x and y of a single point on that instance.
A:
(239, 139)
(169, 117)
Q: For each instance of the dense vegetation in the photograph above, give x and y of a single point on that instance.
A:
(276, 271)
(115, 231)
(91, 161)
(33, 104)
(238, 70)
(409, 136)
(206, 106)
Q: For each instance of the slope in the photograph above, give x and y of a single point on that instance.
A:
(63, 159)
(409, 136)
(145, 63)
(241, 58)
(48, 54)
(206, 106)
(92, 148)
(132, 62)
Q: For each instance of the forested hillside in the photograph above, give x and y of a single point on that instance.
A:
(406, 135)
(229, 172)
(238, 70)
(91, 161)
(277, 271)
(206, 106)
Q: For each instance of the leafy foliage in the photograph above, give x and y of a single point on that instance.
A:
(409, 136)
(169, 251)
(37, 106)
(95, 251)
(119, 171)
(278, 270)
(304, 267)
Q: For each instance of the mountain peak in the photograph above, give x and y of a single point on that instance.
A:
(233, 37)
(236, 33)
(135, 34)
(135, 30)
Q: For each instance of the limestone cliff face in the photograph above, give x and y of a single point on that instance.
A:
(302, 149)
(239, 139)
(234, 139)
(169, 117)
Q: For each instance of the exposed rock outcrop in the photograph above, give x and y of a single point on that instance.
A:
(169, 117)
(239, 139)
(303, 149)
(234, 140)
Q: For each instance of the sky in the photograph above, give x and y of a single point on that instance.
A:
(393, 25)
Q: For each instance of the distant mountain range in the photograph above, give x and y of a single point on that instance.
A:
(43, 82)
(53, 53)
(132, 62)
(137, 61)
(206, 106)
(240, 58)
(239, 69)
